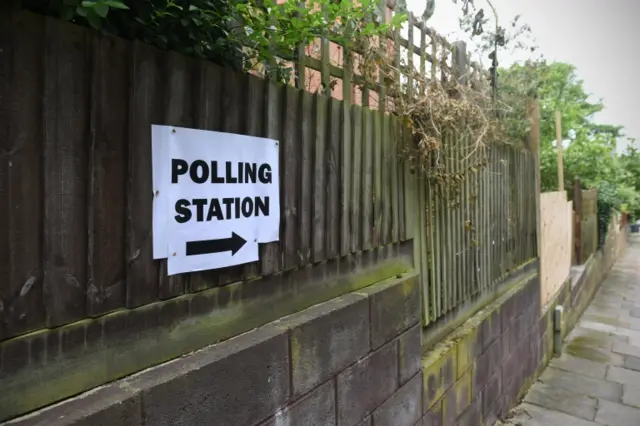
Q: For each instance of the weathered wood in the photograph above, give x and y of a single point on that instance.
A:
(333, 162)
(178, 73)
(397, 129)
(377, 178)
(290, 148)
(145, 109)
(21, 190)
(420, 250)
(386, 181)
(306, 178)
(367, 180)
(270, 254)
(437, 244)
(208, 116)
(234, 110)
(325, 64)
(66, 130)
(356, 178)
(318, 229)
(106, 286)
(395, 199)
(409, 178)
(255, 117)
(410, 53)
(346, 162)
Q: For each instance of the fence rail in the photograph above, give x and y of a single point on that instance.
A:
(75, 161)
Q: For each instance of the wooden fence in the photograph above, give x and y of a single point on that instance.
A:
(585, 231)
(75, 177)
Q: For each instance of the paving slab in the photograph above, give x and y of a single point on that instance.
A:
(623, 375)
(632, 363)
(584, 385)
(563, 400)
(626, 349)
(596, 380)
(532, 415)
(582, 366)
(631, 395)
(612, 414)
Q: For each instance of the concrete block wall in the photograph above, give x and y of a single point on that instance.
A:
(351, 361)
(478, 372)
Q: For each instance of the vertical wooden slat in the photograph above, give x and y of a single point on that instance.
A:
(356, 179)
(486, 186)
(318, 236)
(458, 221)
(410, 174)
(346, 163)
(106, 287)
(437, 246)
(325, 64)
(301, 56)
(386, 180)
(494, 200)
(452, 222)
(178, 73)
(208, 116)
(21, 167)
(290, 148)
(66, 130)
(377, 178)
(367, 180)
(305, 212)
(233, 117)
(145, 109)
(333, 162)
(464, 217)
(270, 254)
(421, 240)
(519, 194)
(256, 116)
(410, 54)
(401, 164)
(395, 200)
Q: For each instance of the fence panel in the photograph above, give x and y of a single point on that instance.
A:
(79, 239)
(21, 176)
(344, 189)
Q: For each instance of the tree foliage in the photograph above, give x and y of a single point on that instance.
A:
(248, 35)
(591, 152)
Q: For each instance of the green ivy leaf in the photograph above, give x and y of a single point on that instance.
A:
(117, 5)
(101, 9)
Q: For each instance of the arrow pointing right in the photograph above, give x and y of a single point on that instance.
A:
(233, 244)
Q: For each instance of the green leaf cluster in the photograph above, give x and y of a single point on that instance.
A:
(591, 154)
(245, 35)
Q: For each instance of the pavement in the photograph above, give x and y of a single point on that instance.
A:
(596, 380)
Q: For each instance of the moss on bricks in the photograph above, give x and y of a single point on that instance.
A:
(216, 314)
(438, 373)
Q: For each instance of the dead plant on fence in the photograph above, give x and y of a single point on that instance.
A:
(453, 118)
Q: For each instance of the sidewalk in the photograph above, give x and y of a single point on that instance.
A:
(596, 381)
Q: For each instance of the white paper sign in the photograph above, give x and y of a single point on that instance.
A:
(216, 197)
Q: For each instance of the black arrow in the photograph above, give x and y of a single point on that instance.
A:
(232, 244)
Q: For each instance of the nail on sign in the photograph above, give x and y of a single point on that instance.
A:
(216, 197)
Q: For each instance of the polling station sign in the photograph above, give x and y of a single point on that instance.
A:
(216, 197)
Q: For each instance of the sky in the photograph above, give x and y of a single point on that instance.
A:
(596, 36)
